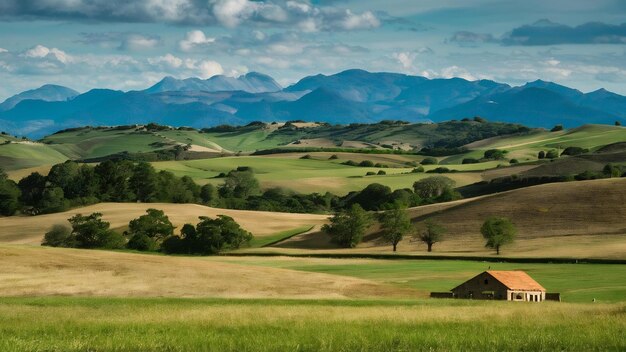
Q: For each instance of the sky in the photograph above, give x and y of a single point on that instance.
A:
(130, 45)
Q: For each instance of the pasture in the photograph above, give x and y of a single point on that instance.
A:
(109, 324)
(317, 174)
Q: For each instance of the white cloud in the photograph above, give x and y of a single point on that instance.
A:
(209, 68)
(231, 12)
(41, 52)
(168, 60)
(405, 59)
(364, 20)
(3, 50)
(194, 39)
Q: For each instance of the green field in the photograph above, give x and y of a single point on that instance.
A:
(21, 155)
(526, 147)
(109, 324)
(313, 175)
(575, 282)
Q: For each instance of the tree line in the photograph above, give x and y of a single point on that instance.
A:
(150, 232)
(71, 184)
(348, 227)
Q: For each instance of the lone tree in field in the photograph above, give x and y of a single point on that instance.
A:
(347, 228)
(498, 232)
(431, 234)
(395, 224)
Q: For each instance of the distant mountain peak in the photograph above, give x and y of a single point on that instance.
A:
(47, 92)
(252, 82)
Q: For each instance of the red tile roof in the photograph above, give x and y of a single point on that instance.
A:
(516, 280)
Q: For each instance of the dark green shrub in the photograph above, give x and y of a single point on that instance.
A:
(429, 161)
(470, 161)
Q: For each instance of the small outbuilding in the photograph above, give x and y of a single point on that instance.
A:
(501, 285)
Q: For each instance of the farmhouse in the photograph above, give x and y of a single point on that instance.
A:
(501, 285)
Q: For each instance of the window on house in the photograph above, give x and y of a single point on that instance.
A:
(519, 296)
(486, 281)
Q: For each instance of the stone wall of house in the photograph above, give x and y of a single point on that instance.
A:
(483, 286)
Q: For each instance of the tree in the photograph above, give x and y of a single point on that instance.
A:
(495, 154)
(240, 183)
(431, 234)
(371, 197)
(149, 229)
(618, 123)
(58, 236)
(432, 187)
(208, 194)
(429, 161)
(114, 179)
(552, 154)
(348, 227)
(541, 154)
(53, 201)
(611, 170)
(92, 232)
(395, 224)
(498, 232)
(143, 182)
(32, 187)
(9, 195)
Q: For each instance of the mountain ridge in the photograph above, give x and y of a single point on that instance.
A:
(351, 96)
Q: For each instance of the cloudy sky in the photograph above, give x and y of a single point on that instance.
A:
(129, 45)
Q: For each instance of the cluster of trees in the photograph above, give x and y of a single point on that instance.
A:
(348, 227)
(72, 184)
(150, 232)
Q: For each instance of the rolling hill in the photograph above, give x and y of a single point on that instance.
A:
(573, 219)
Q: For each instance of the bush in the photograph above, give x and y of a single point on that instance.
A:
(333, 157)
(366, 163)
(513, 161)
(440, 170)
(307, 156)
(618, 123)
(429, 161)
(557, 128)
(142, 242)
(470, 161)
(552, 154)
(381, 172)
(572, 151)
(411, 163)
(350, 163)
(541, 155)
(418, 170)
(495, 154)
(58, 236)
(370, 173)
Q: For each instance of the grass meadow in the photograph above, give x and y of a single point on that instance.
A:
(113, 324)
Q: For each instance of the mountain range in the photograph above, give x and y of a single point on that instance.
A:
(346, 97)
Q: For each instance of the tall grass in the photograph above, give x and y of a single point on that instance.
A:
(102, 324)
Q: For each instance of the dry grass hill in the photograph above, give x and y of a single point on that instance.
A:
(573, 219)
(30, 230)
(45, 271)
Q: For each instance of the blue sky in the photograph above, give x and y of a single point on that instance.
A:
(129, 45)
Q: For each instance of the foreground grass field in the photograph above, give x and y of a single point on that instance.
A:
(104, 324)
(575, 282)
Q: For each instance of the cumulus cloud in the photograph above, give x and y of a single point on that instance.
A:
(229, 13)
(121, 40)
(194, 39)
(3, 50)
(40, 51)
